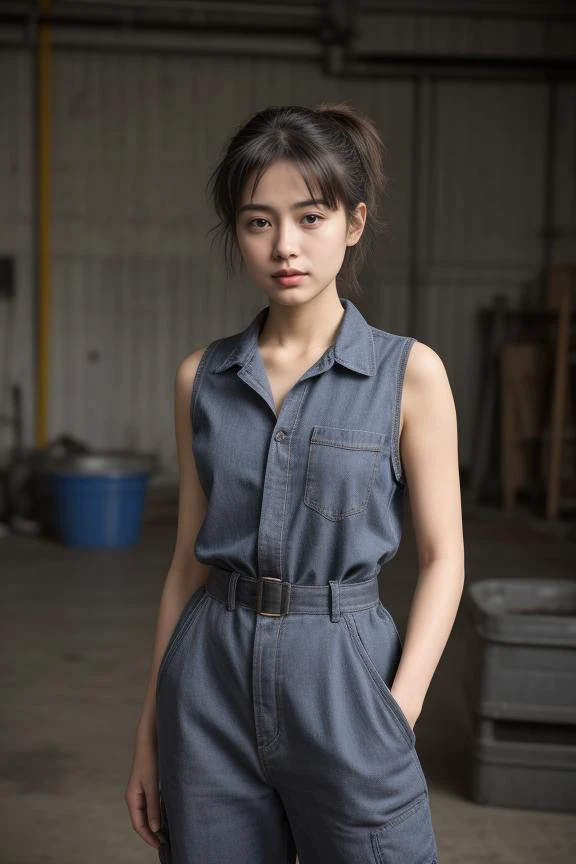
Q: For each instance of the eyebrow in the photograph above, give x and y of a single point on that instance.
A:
(268, 209)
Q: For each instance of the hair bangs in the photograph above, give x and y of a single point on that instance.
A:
(319, 171)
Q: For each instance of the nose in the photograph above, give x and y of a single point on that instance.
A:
(285, 242)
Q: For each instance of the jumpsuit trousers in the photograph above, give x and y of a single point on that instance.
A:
(278, 734)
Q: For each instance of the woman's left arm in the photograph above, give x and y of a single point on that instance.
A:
(429, 453)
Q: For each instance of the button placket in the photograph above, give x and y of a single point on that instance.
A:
(271, 533)
(273, 514)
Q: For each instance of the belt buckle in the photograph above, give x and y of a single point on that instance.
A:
(259, 589)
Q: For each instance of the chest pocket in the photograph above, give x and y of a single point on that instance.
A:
(341, 470)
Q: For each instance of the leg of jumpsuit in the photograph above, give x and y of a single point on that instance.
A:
(344, 759)
(218, 806)
(282, 731)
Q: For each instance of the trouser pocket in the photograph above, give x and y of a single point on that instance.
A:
(189, 613)
(407, 836)
(164, 851)
(377, 643)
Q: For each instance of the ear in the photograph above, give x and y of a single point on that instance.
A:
(355, 230)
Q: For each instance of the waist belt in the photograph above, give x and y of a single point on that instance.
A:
(271, 596)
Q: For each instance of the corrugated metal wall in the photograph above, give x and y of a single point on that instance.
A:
(16, 236)
(481, 215)
(135, 286)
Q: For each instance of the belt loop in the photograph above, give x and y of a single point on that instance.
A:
(231, 600)
(334, 600)
(285, 597)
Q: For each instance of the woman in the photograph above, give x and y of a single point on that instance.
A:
(281, 703)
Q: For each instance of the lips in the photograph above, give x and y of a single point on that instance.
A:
(289, 273)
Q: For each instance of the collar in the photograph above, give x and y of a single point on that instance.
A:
(353, 348)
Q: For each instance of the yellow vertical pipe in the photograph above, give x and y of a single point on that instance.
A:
(44, 70)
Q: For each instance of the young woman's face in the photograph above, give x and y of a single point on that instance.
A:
(277, 230)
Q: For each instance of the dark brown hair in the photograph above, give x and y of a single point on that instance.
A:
(335, 146)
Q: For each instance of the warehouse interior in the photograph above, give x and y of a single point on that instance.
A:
(112, 115)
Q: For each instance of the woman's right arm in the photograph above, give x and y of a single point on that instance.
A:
(184, 576)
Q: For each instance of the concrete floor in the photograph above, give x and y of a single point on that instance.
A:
(78, 627)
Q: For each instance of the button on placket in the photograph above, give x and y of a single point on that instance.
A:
(280, 435)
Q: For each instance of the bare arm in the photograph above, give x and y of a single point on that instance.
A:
(429, 453)
(185, 573)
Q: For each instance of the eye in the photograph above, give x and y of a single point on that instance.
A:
(252, 222)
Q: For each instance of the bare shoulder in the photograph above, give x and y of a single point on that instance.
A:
(425, 377)
(423, 364)
(187, 368)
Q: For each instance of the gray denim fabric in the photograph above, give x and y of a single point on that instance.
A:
(278, 734)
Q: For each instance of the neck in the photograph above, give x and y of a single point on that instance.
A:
(307, 327)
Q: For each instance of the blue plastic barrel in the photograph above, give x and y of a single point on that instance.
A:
(99, 500)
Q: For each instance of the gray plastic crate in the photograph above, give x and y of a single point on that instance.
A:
(521, 649)
(526, 766)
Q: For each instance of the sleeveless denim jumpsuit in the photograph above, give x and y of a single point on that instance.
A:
(277, 733)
